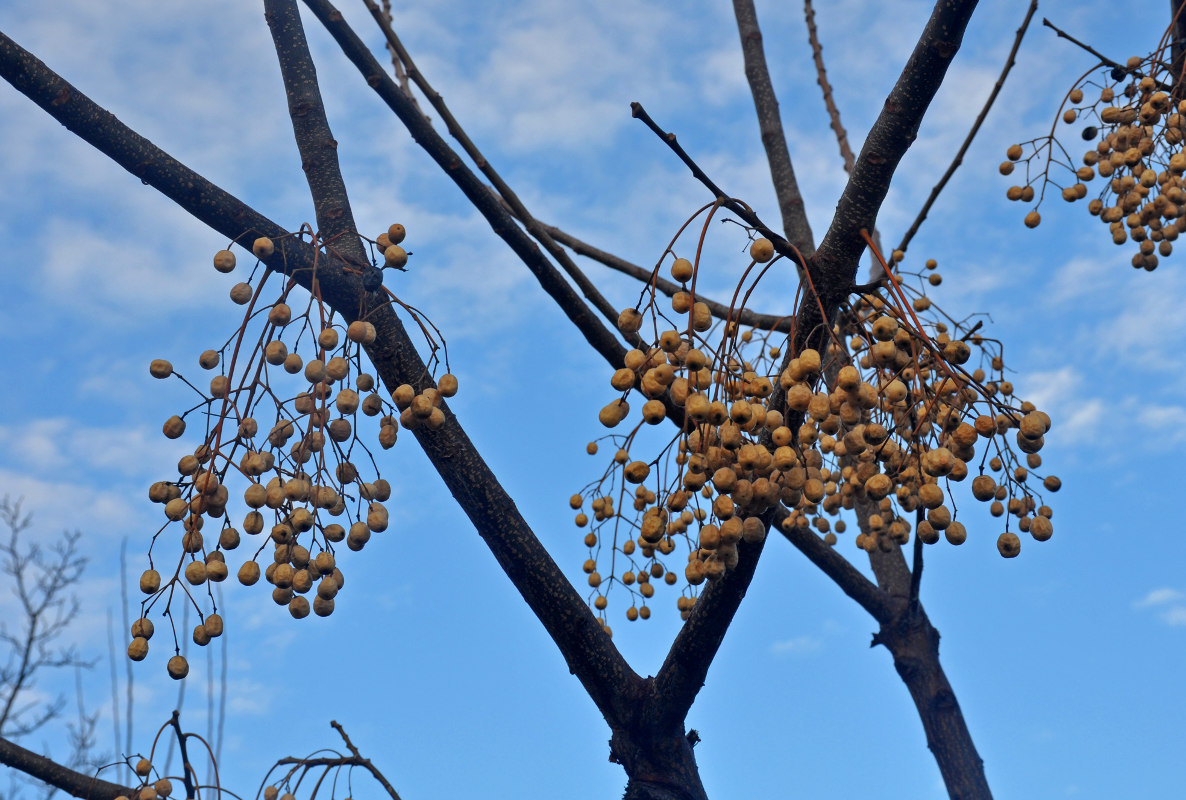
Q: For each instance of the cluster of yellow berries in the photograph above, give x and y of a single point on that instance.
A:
(887, 415)
(1139, 131)
(281, 416)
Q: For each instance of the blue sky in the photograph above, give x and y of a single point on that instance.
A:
(431, 661)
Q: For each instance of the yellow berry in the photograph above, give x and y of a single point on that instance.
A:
(263, 247)
(138, 649)
(682, 270)
(1009, 544)
(224, 261)
(762, 250)
(178, 667)
(395, 256)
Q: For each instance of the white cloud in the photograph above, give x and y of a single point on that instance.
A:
(1169, 605)
(1158, 597)
(1175, 616)
(797, 645)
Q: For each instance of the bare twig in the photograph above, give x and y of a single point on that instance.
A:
(959, 156)
(782, 173)
(719, 310)
(43, 583)
(401, 74)
(780, 243)
(1064, 35)
(365, 762)
(817, 52)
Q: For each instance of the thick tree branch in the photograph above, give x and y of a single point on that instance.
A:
(774, 140)
(682, 675)
(602, 339)
(891, 135)
(850, 579)
(72, 783)
(590, 654)
(318, 148)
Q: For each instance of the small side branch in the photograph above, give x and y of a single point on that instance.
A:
(821, 72)
(366, 762)
(851, 581)
(1064, 35)
(769, 322)
(780, 243)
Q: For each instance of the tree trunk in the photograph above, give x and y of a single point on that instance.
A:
(659, 766)
(914, 643)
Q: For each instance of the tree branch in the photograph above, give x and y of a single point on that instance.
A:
(318, 148)
(58, 776)
(821, 72)
(590, 654)
(534, 227)
(891, 135)
(959, 156)
(769, 322)
(850, 579)
(602, 339)
(774, 140)
(1107, 62)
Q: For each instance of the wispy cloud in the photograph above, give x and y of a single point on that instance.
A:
(1169, 604)
(1158, 597)
(797, 645)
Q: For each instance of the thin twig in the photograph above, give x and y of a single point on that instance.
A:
(366, 762)
(1064, 35)
(187, 770)
(959, 156)
(821, 72)
(783, 247)
(401, 74)
(771, 322)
